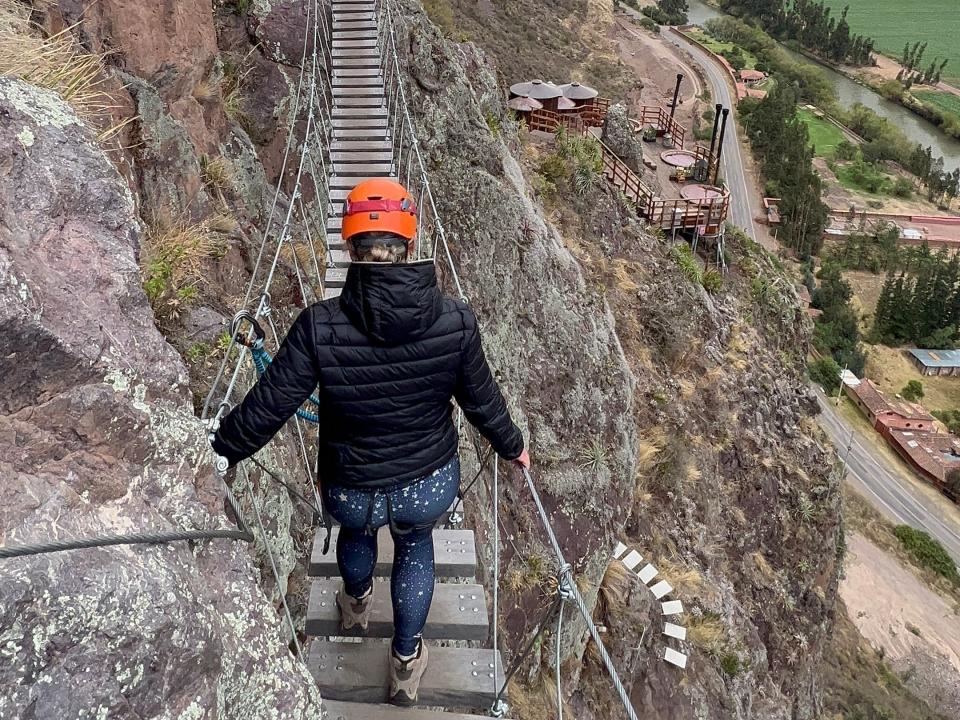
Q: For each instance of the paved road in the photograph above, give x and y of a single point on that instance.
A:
(731, 163)
(885, 486)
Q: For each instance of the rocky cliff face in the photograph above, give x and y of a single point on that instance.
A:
(99, 438)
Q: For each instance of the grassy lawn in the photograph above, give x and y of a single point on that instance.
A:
(718, 47)
(948, 102)
(892, 23)
(824, 135)
(891, 370)
(865, 180)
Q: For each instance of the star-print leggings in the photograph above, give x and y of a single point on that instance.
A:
(411, 512)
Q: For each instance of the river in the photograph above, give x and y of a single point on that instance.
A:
(850, 92)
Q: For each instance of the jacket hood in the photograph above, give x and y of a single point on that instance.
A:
(390, 303)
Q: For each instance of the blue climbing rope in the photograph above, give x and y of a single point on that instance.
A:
(261, 358)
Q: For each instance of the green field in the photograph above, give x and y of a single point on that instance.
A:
(824, 135)
(718, 47)
(947, 102)
(895, 22)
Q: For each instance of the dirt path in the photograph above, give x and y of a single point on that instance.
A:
(888, 68)
(917, 629)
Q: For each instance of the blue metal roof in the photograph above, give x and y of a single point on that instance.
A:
(937, 358)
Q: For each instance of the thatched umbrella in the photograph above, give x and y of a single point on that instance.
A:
(545, 92)
(524, 104)
(565, 103)
(523, 89)
(578, 92)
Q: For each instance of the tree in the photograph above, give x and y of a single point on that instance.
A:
(912, 391)
(826, 373)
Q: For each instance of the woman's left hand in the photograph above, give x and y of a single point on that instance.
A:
(523, 461)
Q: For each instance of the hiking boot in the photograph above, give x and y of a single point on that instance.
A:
(353, 612)
(405, 676)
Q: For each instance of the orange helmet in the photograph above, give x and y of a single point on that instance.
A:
(380, 205)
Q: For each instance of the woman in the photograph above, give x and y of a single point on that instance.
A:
(385, 359)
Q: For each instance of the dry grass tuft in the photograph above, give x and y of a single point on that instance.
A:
(172, 259)
(53, 62)
(614, 591)
(217, 173)
(204, 92)
(707, 633)
(688, 582)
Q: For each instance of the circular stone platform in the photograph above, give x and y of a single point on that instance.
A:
(700, 192)
(678, 158)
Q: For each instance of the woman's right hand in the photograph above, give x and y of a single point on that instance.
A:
(523, 462)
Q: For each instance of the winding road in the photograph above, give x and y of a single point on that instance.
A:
(884, 486)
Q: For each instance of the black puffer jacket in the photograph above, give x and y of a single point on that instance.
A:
(385, 358)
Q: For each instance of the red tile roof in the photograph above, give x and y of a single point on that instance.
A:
(935, 453)
(879, 404)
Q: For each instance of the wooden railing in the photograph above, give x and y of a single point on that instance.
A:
(705, 216)
(619, 173)
(659, 117)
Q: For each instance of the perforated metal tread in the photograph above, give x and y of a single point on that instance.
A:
(458, 612)
(337, 710)
(455, 552)
(358, 672)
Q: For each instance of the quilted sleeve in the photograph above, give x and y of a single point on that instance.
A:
(281, 390)
(480, 398)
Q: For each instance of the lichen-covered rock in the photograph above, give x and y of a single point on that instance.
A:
(98, 437)
(620, 137)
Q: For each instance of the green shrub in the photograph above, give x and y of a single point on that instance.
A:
(912, 391)
(903, 188)
(928, 551)
(730, 664)
(689, 266)
(826, 373)
(712, 281)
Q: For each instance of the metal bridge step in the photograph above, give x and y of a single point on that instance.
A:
(455, 677)
(357, 16)
(456, 555)
(355, 53)
(355, 43)
(355, 63)
(360, 157)
(339, 181)
(458, 612)
(348, 101)
(338, 256)
(342, 91)
(359, 170)
(334, 277)
(350, 122)
(353, 72)
(360, 711)
(372, 81)
(354, 25)
(359, 112)
(377, 134)
(369, 145)
(341, 7)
